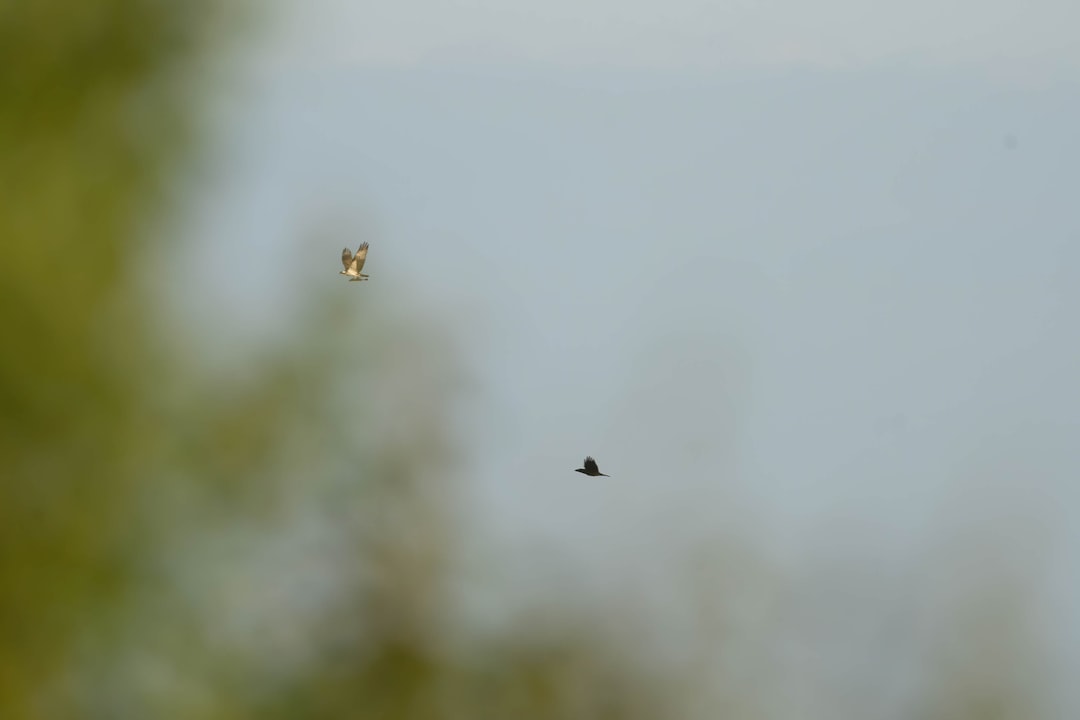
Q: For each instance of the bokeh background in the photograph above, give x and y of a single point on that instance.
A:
(802, 276)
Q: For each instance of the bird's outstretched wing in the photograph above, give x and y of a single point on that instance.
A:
(591, 465)
(346, 258)
(361, 254)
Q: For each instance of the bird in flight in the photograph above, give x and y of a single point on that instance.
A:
(591, 468)
(354, 263)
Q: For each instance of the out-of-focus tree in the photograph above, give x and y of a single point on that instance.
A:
(92, 118)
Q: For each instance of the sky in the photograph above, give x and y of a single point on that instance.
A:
(805, 270)
(683, 34)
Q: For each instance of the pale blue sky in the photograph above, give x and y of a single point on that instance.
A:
(682, 34)
(806, 270)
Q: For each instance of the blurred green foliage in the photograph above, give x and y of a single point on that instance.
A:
(177, 545)
(89, 127)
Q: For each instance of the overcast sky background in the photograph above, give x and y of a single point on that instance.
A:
(808, 270)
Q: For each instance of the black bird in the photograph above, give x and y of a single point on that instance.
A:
(591, 468)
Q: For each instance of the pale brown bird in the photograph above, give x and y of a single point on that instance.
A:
(591, 468)
(354, 263)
